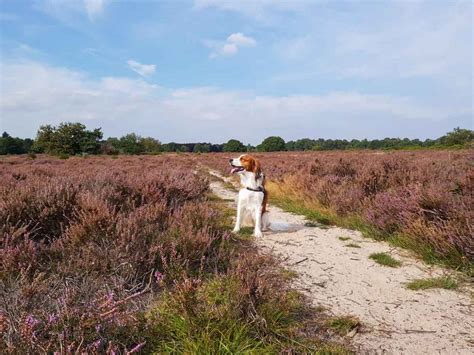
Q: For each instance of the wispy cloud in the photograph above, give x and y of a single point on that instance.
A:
(141, 69)
(34, 94)
(67, 11)
(231, 46)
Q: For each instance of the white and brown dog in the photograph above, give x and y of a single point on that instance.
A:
(252, 196)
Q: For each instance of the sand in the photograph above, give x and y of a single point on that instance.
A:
(345, 281)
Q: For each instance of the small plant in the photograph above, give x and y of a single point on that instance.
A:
(31, 155)
(63, 156)
(385, 259)
(344, 238)
(353, 245)
(444, 282)
(343, 325)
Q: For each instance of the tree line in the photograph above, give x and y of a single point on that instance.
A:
(74, 138)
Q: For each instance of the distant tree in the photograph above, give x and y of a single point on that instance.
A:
(12, 145)
(234, 145)
(458, 136)
(183, 148)
(131, 144)
(201, 148)
(272, 144)
(151, 145)
(68, 138)
(170, 147)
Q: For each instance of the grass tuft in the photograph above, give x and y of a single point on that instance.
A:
(344, 238)
(444, 282)
(342, 325)
(385, 259)
(353, 245)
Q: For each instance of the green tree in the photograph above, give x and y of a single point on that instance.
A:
(201, 148)
(131, 144)
(234, 145)
(272, 144)
(11, 145)
(458, 136)
(68, 138)
(151, 145)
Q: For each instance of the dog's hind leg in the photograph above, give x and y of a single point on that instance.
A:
(265, 221)
(258, 222)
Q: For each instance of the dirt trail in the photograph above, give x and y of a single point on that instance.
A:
(343, 279)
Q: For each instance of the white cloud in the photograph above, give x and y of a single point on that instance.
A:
(231, 46)
(260, 10)
(67, 11)
(230, 49)
(239, 39)
(141, 69)
(34, 94)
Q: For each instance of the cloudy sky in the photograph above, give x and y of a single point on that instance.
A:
(209, 70)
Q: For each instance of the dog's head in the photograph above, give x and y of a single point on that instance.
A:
(245, 163)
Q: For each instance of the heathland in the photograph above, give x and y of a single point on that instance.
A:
(134, 253)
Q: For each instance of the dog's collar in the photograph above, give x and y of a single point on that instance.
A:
(259, 189)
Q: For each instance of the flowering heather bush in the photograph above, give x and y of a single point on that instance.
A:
(84, 241)
(116, 255)
(424, 197)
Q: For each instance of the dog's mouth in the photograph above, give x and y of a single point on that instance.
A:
(236, 169)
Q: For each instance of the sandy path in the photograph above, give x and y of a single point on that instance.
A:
(396, 320)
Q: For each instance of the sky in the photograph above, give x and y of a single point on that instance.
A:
(209, 70)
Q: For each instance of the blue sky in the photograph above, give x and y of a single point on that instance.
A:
(209, 70)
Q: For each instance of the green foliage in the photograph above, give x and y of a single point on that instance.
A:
(353, 245)
(131, 144)
(68, 138)
(272, 144)
(14, 145)
(444, 282)
(343, 325)
(201, 148)
(385, 259)
(233, 145)
(458, 136)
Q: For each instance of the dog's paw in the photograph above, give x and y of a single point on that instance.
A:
(258, 234)
(236, 230)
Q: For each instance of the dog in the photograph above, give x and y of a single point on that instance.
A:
(252, 196)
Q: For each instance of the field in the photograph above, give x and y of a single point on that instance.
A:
(419, 200)
(103, 254)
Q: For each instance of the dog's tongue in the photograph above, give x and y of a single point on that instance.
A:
(234, 170)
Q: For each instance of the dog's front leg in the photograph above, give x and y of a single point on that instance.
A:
(238, 220)
(258, 222)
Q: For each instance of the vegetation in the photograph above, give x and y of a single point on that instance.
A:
(106, 256)
(445, 282)
(457, 138)
(343, 325)
(14, 145)
(73, 138)
(385, 259)
(233, 145)
(353, 245)
(272, 144)
(67, 138)
(416, 200)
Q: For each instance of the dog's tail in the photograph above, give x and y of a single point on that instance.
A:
(265, 200)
